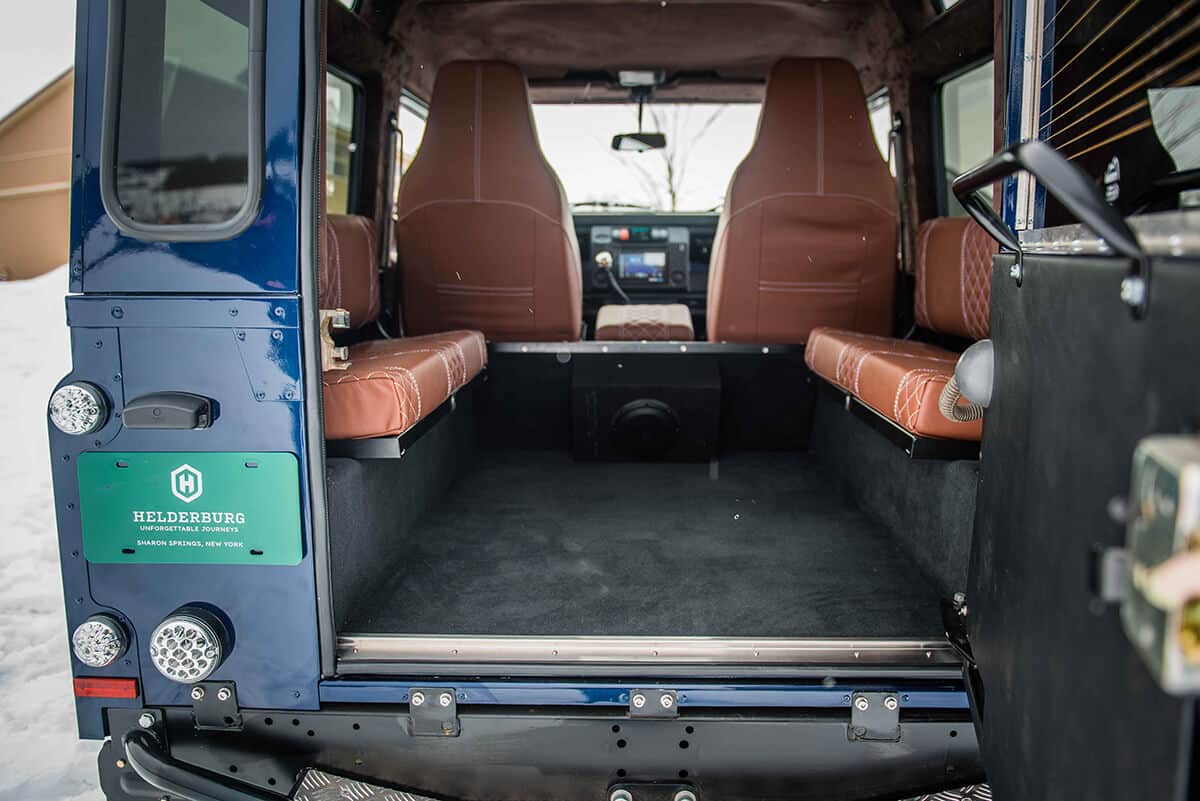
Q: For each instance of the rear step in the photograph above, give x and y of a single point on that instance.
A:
(317, 785)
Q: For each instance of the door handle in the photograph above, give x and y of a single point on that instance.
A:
(169, 410)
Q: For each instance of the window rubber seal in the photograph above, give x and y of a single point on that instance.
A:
(189, 232)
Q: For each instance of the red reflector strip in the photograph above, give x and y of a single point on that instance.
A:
(105, 688)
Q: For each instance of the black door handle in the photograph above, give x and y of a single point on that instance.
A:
(168, 410)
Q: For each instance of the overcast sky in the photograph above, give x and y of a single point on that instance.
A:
(37, 42)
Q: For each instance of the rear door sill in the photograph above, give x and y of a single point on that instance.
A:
(398, 654)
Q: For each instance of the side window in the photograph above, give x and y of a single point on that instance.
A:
(341, 142)
(411, 121)
(182, 143)
(966, 109)
(879, 110)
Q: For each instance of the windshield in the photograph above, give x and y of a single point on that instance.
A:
(705, 143)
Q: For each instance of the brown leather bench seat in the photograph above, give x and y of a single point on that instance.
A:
(390, 384)
(667, 322)
(902, 379)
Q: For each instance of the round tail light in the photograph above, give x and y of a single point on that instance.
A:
(99, 641)
(189, 645)
(78, 408)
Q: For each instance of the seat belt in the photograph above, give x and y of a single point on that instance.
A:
(896, 156)
(389, 275)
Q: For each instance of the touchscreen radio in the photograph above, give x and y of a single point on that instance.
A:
(647, 257)
(649, 266)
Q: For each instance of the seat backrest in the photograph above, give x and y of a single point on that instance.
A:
(808, 231)
(349, 276)
(484, 234)
(954, 277)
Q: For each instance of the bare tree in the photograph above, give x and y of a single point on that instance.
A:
(681, 142)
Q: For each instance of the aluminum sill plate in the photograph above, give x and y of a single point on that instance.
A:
(363, 649)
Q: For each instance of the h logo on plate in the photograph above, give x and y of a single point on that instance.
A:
(187, 483)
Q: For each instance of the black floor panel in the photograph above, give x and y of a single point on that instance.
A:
(758, 544)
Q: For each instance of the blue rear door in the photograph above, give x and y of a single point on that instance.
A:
(186, 254)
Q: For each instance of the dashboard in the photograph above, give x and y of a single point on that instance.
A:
(656, 257)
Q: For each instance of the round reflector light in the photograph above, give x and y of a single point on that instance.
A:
(99, 641)
(78, 408)
(188, 646)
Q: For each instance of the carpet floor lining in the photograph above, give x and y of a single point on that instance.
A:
(755, 545)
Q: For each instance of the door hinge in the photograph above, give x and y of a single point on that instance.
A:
(215, 706)
(433, 712)
(874, 716)
(653, 704)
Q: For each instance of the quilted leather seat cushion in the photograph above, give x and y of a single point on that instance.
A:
(954, 277)
(392, 384)
(349, 274)
(633, 323)
(899, 378)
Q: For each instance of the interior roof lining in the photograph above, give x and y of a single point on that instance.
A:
(718, 39)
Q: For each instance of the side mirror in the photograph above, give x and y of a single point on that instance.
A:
(639, 142)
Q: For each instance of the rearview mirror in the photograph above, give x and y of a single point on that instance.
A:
(639, 142)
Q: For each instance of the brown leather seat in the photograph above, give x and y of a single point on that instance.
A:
(808, 232)
(652, 322)
(349, 275)
(902, 379)
(485, 235)
(390, 384)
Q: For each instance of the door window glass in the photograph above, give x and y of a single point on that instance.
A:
(967, 122)
(182, 143)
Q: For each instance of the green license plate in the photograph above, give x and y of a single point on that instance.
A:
(190, 508)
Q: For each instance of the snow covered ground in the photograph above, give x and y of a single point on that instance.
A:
(42, 759)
